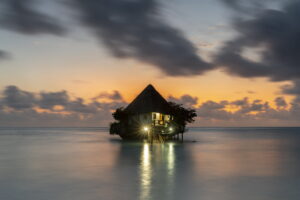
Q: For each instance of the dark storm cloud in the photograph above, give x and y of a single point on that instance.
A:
(186, 100)
(129, 28)
(249, 6)
(18, 99)
(135, 29)
(21, 16)
(277, 31)
(50, 99)
(241, 5)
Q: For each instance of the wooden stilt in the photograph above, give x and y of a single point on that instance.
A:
(151, 140)
(149, 136)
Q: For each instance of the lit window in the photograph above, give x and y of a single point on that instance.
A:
(167, 117)
(157, 116)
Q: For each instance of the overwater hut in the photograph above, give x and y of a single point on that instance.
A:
(149, 116)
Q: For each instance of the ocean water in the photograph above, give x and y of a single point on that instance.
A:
(89, 164)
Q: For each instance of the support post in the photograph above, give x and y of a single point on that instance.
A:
(151, 137)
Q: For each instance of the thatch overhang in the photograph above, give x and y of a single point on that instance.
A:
(149, 100)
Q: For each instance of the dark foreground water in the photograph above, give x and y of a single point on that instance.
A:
(88, 164)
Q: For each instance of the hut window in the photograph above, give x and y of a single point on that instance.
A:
(158, 116)
(167, 117)
(153, 116)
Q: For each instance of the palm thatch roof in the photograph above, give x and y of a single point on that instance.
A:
(149, 100)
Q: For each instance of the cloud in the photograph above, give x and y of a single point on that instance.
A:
(79, 106)
(4, 55)
(211, 105)
(50, 99)
(293, 89)
(24, 108)
(277, 31)
(115, 96)
(211, 110)
(129, 29)
(247, 107)
(248, 6)
(135, 29)
(244, 112)
(22, 17)
(280, 103)
(18, 99)
(241, 102)
(186, 100)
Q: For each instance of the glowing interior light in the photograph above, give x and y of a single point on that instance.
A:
(146, 128)
(170, 129)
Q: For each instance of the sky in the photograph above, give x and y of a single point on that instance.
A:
(72, 62)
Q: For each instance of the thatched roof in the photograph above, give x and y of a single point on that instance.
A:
(149, 100)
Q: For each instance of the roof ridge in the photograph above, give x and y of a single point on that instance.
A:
(149, 100)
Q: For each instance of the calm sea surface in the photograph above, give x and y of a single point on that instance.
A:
(89, 164)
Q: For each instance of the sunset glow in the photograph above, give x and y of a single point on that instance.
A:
(90, 60)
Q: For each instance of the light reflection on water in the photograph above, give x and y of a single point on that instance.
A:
(162, 155)
(229, 164)
(171, 160)
(145, 172)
